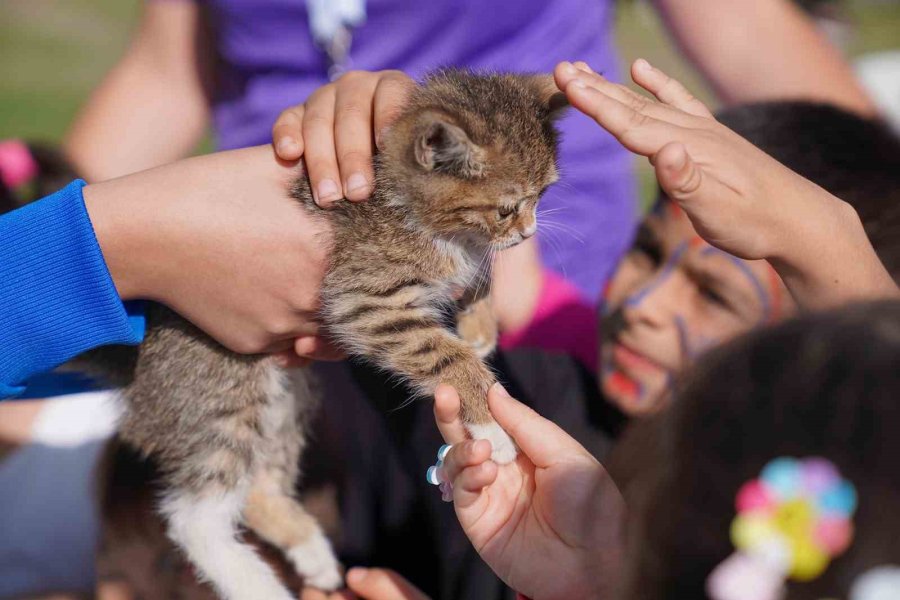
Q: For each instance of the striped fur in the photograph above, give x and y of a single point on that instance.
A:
(459, 178)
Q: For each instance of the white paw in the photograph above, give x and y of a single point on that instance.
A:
(503, 447)
(315, 561)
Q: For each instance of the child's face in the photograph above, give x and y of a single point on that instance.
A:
(672, 297)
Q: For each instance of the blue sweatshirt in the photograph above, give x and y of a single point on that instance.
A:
(57, 298)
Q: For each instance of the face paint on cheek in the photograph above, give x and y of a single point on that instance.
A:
(638, 297)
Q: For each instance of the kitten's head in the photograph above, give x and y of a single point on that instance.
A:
(472, 154)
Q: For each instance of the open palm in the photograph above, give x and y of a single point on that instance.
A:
(548, 524)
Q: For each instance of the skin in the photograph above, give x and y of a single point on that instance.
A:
(217, 239)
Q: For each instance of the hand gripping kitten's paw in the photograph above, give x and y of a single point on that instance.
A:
(315, 561)
(504, 449)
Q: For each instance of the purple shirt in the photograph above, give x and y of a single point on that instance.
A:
(269, 62)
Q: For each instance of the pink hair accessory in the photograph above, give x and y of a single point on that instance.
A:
(791, 522)
(17, 165)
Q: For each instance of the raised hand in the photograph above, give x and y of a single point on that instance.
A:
(738, 198)
(554, 501)
(337, 130)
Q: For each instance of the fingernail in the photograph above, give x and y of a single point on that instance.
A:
(286, 145)
(328, 190)
(357, 574)
(501, 391)
(642, 65)
(569, 69)
(357, 182)
(584, 68)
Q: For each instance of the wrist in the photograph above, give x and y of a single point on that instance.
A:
(118, 227)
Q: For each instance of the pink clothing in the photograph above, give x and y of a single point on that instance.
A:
(562, 322)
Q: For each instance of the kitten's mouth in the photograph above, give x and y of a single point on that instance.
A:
(513, 240)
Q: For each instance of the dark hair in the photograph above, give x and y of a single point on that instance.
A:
(856, 159)
(825, 385)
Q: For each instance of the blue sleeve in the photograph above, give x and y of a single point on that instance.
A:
(57, 298)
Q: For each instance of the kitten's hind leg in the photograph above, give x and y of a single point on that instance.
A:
(205, 526)
(277, 517)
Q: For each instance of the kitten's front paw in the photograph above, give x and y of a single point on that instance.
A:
(503, 447)
(315, 561)
(478, 327)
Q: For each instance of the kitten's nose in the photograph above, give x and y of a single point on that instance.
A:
(529, 231)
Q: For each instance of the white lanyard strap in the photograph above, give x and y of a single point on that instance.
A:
(331, 23)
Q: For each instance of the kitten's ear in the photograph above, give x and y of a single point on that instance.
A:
(444, 147)
(549, 95)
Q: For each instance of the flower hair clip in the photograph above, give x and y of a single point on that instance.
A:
(791, 522)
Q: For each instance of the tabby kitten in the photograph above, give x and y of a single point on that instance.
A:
(459, 177)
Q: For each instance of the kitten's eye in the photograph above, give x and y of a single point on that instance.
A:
(505, 211)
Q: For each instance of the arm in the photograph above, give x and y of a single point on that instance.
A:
(760, 50)
(738, 198)
(215, 237)
(152, 107)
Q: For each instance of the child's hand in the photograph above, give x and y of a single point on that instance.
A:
(732, 192)
(738, 198)
(336, 131)
(218, 239)
(555, 500)
(370, 584)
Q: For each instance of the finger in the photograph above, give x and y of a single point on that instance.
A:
(637, 132)
(353, 138)
(682, 180)
(541, 440)
(382, 584)
(642, 104)
(318, 143)
(391, 95)
(317, 348)
(669, 91)
(287, 133)
(446, 414)
(469, 486)
(470, 453)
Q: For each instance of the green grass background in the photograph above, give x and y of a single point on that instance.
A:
(53, 52)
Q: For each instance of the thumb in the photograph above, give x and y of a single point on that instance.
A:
(382, 584)
(540, 439)
(678, 175)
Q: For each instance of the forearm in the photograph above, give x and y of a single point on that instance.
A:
(152, 107)
(827, 260)
(761, 50)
